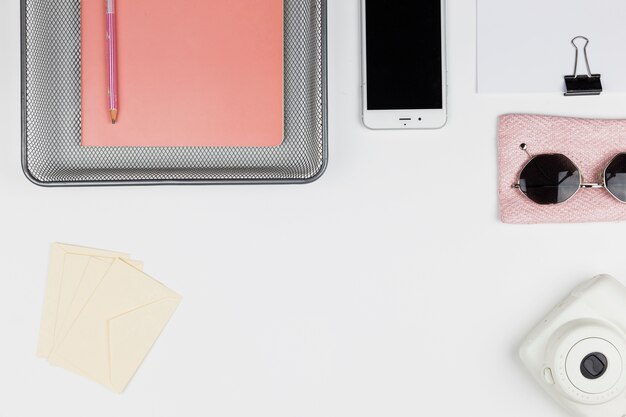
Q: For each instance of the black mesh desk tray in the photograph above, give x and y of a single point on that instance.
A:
(51, 112)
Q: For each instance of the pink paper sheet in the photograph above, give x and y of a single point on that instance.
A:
(591, 144)
(191, 73)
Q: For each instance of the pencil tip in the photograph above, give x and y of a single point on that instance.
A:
(113, 116)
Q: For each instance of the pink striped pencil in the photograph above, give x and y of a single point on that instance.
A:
(112, 60)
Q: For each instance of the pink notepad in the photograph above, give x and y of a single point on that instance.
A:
(191, 73)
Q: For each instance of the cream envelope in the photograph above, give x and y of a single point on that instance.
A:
(115, 330)
(60, 285)
(92, 274)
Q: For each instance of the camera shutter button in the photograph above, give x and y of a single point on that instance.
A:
(547, 375)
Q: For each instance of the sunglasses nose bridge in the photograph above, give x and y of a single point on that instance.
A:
(591, 185)
(601, 182)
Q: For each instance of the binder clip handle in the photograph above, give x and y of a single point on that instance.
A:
(584, 53)
(583, 84)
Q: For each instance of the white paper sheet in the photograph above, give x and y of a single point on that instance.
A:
(524, 45)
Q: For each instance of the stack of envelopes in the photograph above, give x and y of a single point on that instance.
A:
(101, 314)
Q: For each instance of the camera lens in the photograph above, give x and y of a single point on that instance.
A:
(594, 365)
(595, 370)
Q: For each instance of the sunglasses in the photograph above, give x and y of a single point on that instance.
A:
(553, 178)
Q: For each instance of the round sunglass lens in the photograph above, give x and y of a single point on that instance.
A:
(550, 179)
(615, 177)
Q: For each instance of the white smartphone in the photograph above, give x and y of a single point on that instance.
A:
(404, 75)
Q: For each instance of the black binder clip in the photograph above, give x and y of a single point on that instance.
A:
(585, 84)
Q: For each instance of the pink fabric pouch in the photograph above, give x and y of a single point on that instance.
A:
(590, 143)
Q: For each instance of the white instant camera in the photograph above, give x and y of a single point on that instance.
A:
(578, 352)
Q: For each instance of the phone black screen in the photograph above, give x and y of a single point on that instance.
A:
(404, 54)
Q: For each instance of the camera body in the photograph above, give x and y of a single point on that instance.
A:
(578, 352)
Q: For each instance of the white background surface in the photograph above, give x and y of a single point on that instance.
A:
(524, 46)
(387, 288)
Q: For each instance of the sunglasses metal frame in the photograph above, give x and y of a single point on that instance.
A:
(582, 183)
